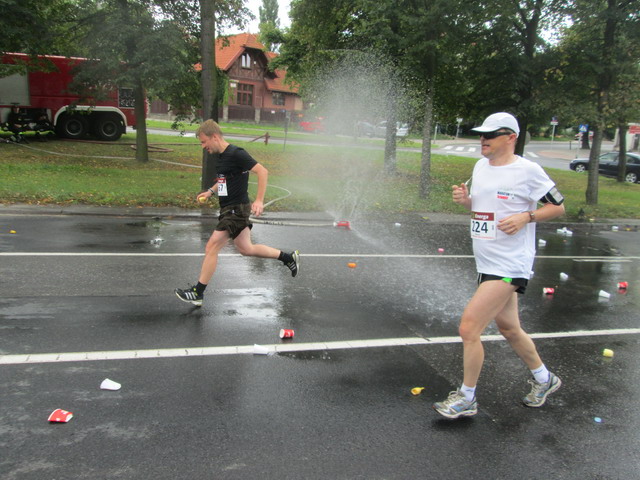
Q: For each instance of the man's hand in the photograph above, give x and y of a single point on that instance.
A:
(513, 223)
(460, 195)
(257, 208)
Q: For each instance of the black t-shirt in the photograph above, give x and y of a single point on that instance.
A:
(233, 168)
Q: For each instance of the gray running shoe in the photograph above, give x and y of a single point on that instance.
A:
(540, 391)
(294, 264)
(189, 295)
(456, 406)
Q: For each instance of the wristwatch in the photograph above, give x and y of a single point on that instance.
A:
(532, 216)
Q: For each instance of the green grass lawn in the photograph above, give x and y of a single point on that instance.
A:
(337, 179)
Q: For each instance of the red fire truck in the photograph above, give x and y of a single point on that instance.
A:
(40, 93)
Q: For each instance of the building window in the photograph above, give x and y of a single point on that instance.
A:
(277, 98)
(245, 94)
(246, 60)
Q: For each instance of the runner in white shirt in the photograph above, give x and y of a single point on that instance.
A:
(505, 192)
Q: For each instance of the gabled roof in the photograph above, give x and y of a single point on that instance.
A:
(228, 49)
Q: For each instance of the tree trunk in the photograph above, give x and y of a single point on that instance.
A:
(390, 140)
(605, 80)
(209, 83)
(523, 123)
(585, 140)
(622, 158)
(591, 195)
(425, 164)
(142, 150)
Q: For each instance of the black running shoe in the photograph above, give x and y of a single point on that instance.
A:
(189, 295)
(294, 264)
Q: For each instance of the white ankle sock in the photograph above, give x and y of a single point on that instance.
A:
(541, 374)
(468, 392)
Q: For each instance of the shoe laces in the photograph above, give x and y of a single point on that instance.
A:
(454, 397)
(537, 387)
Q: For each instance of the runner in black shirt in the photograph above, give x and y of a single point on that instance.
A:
(235, 209)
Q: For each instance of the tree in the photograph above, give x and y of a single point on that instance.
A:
(269, 23)
(202, 19)
(131, 46)
(508, 59)
(37, 27)
(609, 29)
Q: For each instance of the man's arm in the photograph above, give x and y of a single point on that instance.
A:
(257, 207)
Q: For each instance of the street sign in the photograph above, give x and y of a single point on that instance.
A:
(634, 129)
(583, 128)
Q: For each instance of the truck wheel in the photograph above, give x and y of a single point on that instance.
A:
(72, 126)
(108, 127)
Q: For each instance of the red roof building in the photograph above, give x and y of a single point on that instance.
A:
(253, 86)
(255, 93)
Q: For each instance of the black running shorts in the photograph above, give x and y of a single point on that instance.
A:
(521, 283)
(234, 219)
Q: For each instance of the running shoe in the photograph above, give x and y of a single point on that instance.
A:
(190, 295)
(456, 406)
(294, 264)
(540, 391)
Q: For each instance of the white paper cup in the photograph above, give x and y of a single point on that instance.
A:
(603, 294)
(564, 277)
(110, 385)
(260, 350)
(542, 243)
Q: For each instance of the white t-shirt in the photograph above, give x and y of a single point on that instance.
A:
(498, 192)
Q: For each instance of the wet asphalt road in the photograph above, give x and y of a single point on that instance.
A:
(326, 408)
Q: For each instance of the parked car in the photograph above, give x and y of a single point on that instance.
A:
(608, 165)
(312, 126)
(380, 130)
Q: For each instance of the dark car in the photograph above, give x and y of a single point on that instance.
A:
(608, 165)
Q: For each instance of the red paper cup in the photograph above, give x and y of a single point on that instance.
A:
(548, 290)
(286, 333)
(623, 285)
(60, 416)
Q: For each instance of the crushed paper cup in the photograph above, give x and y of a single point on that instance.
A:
(110, 385)
(607, 352)
(417, 390)
(603, 294)
(441, 250)
(614, 228)
(564, 231)
(260, 350)
(564, 277)
(623, 285)
(542, 243)
(60, 416)
(548, 290)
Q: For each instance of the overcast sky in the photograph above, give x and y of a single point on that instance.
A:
(253, 5)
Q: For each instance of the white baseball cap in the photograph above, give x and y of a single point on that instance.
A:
(497, 121)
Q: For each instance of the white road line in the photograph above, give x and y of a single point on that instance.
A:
(276, 348)
(459, 149)
(448, 147)
(593, 258)
(531, 154)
